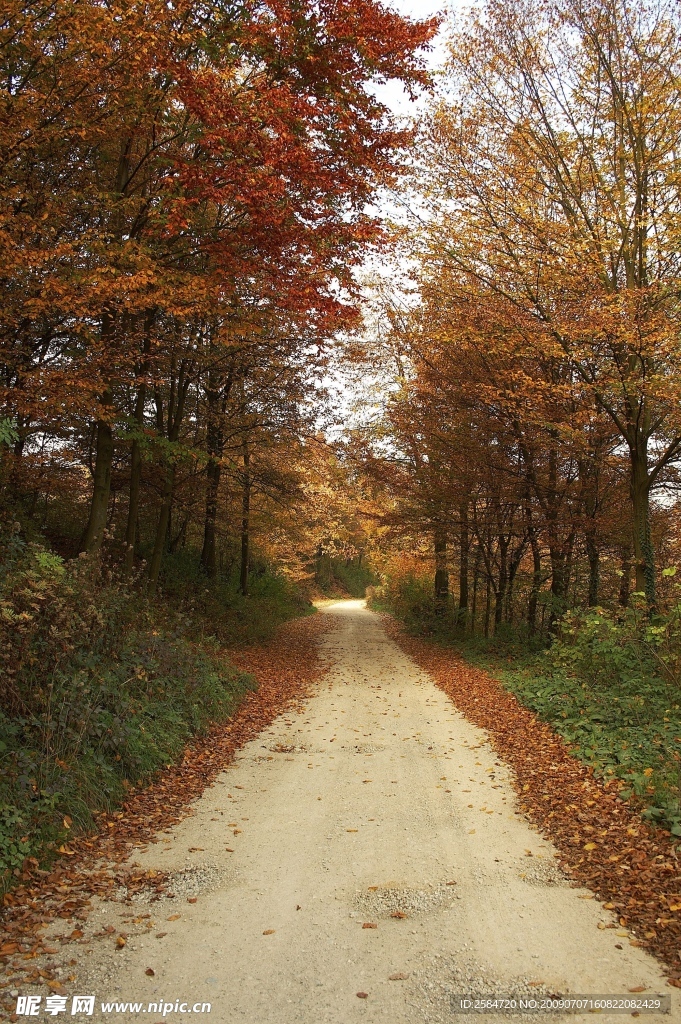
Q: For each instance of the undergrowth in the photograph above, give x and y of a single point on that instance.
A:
(100, 687)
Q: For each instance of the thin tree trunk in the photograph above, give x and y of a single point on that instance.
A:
(101, 484)
(161, 529)
(441, 571)
(536, 582)
(594, 556)
(136, 454)
(503, 580)
(245, 521)
(463, 565)
(476, 581)
(488, 603)
(644, 558)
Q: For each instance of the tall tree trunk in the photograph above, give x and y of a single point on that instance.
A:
(136, 453)
(594, 556)
(476, 582)
(463, 564)
(245, 521)
(161, 529)
(644, 558)
(536, 582)
(441, 571)
(503, 580)
(488, 603)
(214, 448)
(101, 484)
(213, 473)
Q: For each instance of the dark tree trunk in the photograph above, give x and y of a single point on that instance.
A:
(441, 571)
(594, 556)
(136, 454)
(245, 520)
(503, 580)
(536, 582)
(476, 582)
(644, 558)
(101, 484)
(463, 565)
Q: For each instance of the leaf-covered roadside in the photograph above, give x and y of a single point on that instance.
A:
(97, 865)
(603, 842)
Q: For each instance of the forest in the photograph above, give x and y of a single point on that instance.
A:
(263, 341)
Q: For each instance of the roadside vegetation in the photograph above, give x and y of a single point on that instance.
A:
(608, 682)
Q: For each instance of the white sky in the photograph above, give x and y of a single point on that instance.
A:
(393, 94)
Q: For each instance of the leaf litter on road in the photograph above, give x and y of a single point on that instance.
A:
(96, 865)
(603, 842)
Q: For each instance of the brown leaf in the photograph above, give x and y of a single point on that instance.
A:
(369, 924)
(174, 917)
(398, 977)
(192, 899)
(150, 972)
(269, 931)
(638, 988)
(362, 995)
(398, 914)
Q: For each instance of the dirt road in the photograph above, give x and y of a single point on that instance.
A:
(378, 805)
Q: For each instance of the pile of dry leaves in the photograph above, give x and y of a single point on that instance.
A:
(603, 842)
(95, 865)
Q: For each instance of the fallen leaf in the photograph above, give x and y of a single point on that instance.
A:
(269, 931)
(590, 846)
(362, 995)
(369, 924)
(174, 917)
(398, 914)
(161, 935)
(352, 830)
(196, 849)
(120, 942)
(192, 899)
(398, 977)
(150, 972)
(638, 988)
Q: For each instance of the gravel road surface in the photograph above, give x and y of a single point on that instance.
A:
(362, 860)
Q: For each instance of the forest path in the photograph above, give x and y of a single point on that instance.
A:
(363, 809)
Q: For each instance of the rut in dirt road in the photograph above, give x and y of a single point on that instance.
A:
(376, 851)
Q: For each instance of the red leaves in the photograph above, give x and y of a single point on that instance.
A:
(603, 843)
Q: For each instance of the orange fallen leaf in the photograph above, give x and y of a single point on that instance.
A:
(173, 917)
(638, 988)
(398, 914)
(120, 942)
(369, 924)
(269, 931)
(362, 995)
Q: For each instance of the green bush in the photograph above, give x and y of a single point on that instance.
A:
(610, 686)
(98, 689)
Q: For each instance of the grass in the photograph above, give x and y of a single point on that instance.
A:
(101, 687)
